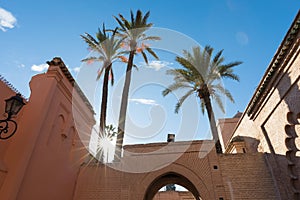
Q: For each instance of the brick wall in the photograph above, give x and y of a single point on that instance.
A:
(174, 195)
(228, 176)
(246, 176)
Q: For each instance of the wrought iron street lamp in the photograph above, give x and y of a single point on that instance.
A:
(8, 127)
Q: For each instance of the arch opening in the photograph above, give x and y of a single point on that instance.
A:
(170, 178)
(174, 192)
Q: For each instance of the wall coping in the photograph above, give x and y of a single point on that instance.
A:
(57, 61)
(158, 144)
(281, 53)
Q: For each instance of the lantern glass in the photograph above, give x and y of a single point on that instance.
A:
(14, 104)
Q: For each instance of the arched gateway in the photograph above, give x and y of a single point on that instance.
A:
(170, 178)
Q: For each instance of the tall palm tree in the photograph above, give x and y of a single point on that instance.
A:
(107, 48)
(133, 33)
(201, 74)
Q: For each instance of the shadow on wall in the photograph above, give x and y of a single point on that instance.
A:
(292, 130)
(282, 168)
(286, 168)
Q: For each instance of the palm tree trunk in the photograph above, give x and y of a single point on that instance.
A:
(204, 94)
(213, 125)
(103, 109)
(104, 98)
(123, 109)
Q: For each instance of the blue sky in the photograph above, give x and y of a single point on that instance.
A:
(33, 32)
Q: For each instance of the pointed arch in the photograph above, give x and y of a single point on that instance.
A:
(170, 178)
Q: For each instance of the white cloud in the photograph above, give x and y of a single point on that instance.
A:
(144, 101)
(76, 69)
(158, 64)
(21, 65)
(39, 68)
(7, 20)
(44, 67)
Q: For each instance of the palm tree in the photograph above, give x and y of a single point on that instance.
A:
(133, 33)
(108, 49)
(201, 74)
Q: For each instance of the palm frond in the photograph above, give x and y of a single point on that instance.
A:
(138, 19)
(100, 73)
(195, 73)
(217, 57)
(220, 61)
(184, 62)
(90, 38)
(227, 71)
(231, 76)
(125, 22)
(152, 52)
(146, 16)
(93, 59)
(208, 49)
(92, 43)
(152, 38)
(220, 88)
(175, 86)
(187, 55)
(230, 65)
(145, 57)
(135, 66)
(166, 91)
(202, 106)
(149, 25)
(206, 60)
(101, 35)
(89, 59)
(218, 100)
(182, 99)
(120, 23)
(180, 75)
(177, 107)
(112, 77)
(132, 18)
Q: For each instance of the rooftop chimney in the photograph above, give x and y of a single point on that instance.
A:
(171, 138)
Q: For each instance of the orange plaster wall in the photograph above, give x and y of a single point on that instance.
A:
(6, 92)
(44, 157)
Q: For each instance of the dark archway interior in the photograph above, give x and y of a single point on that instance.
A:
(170, 178)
